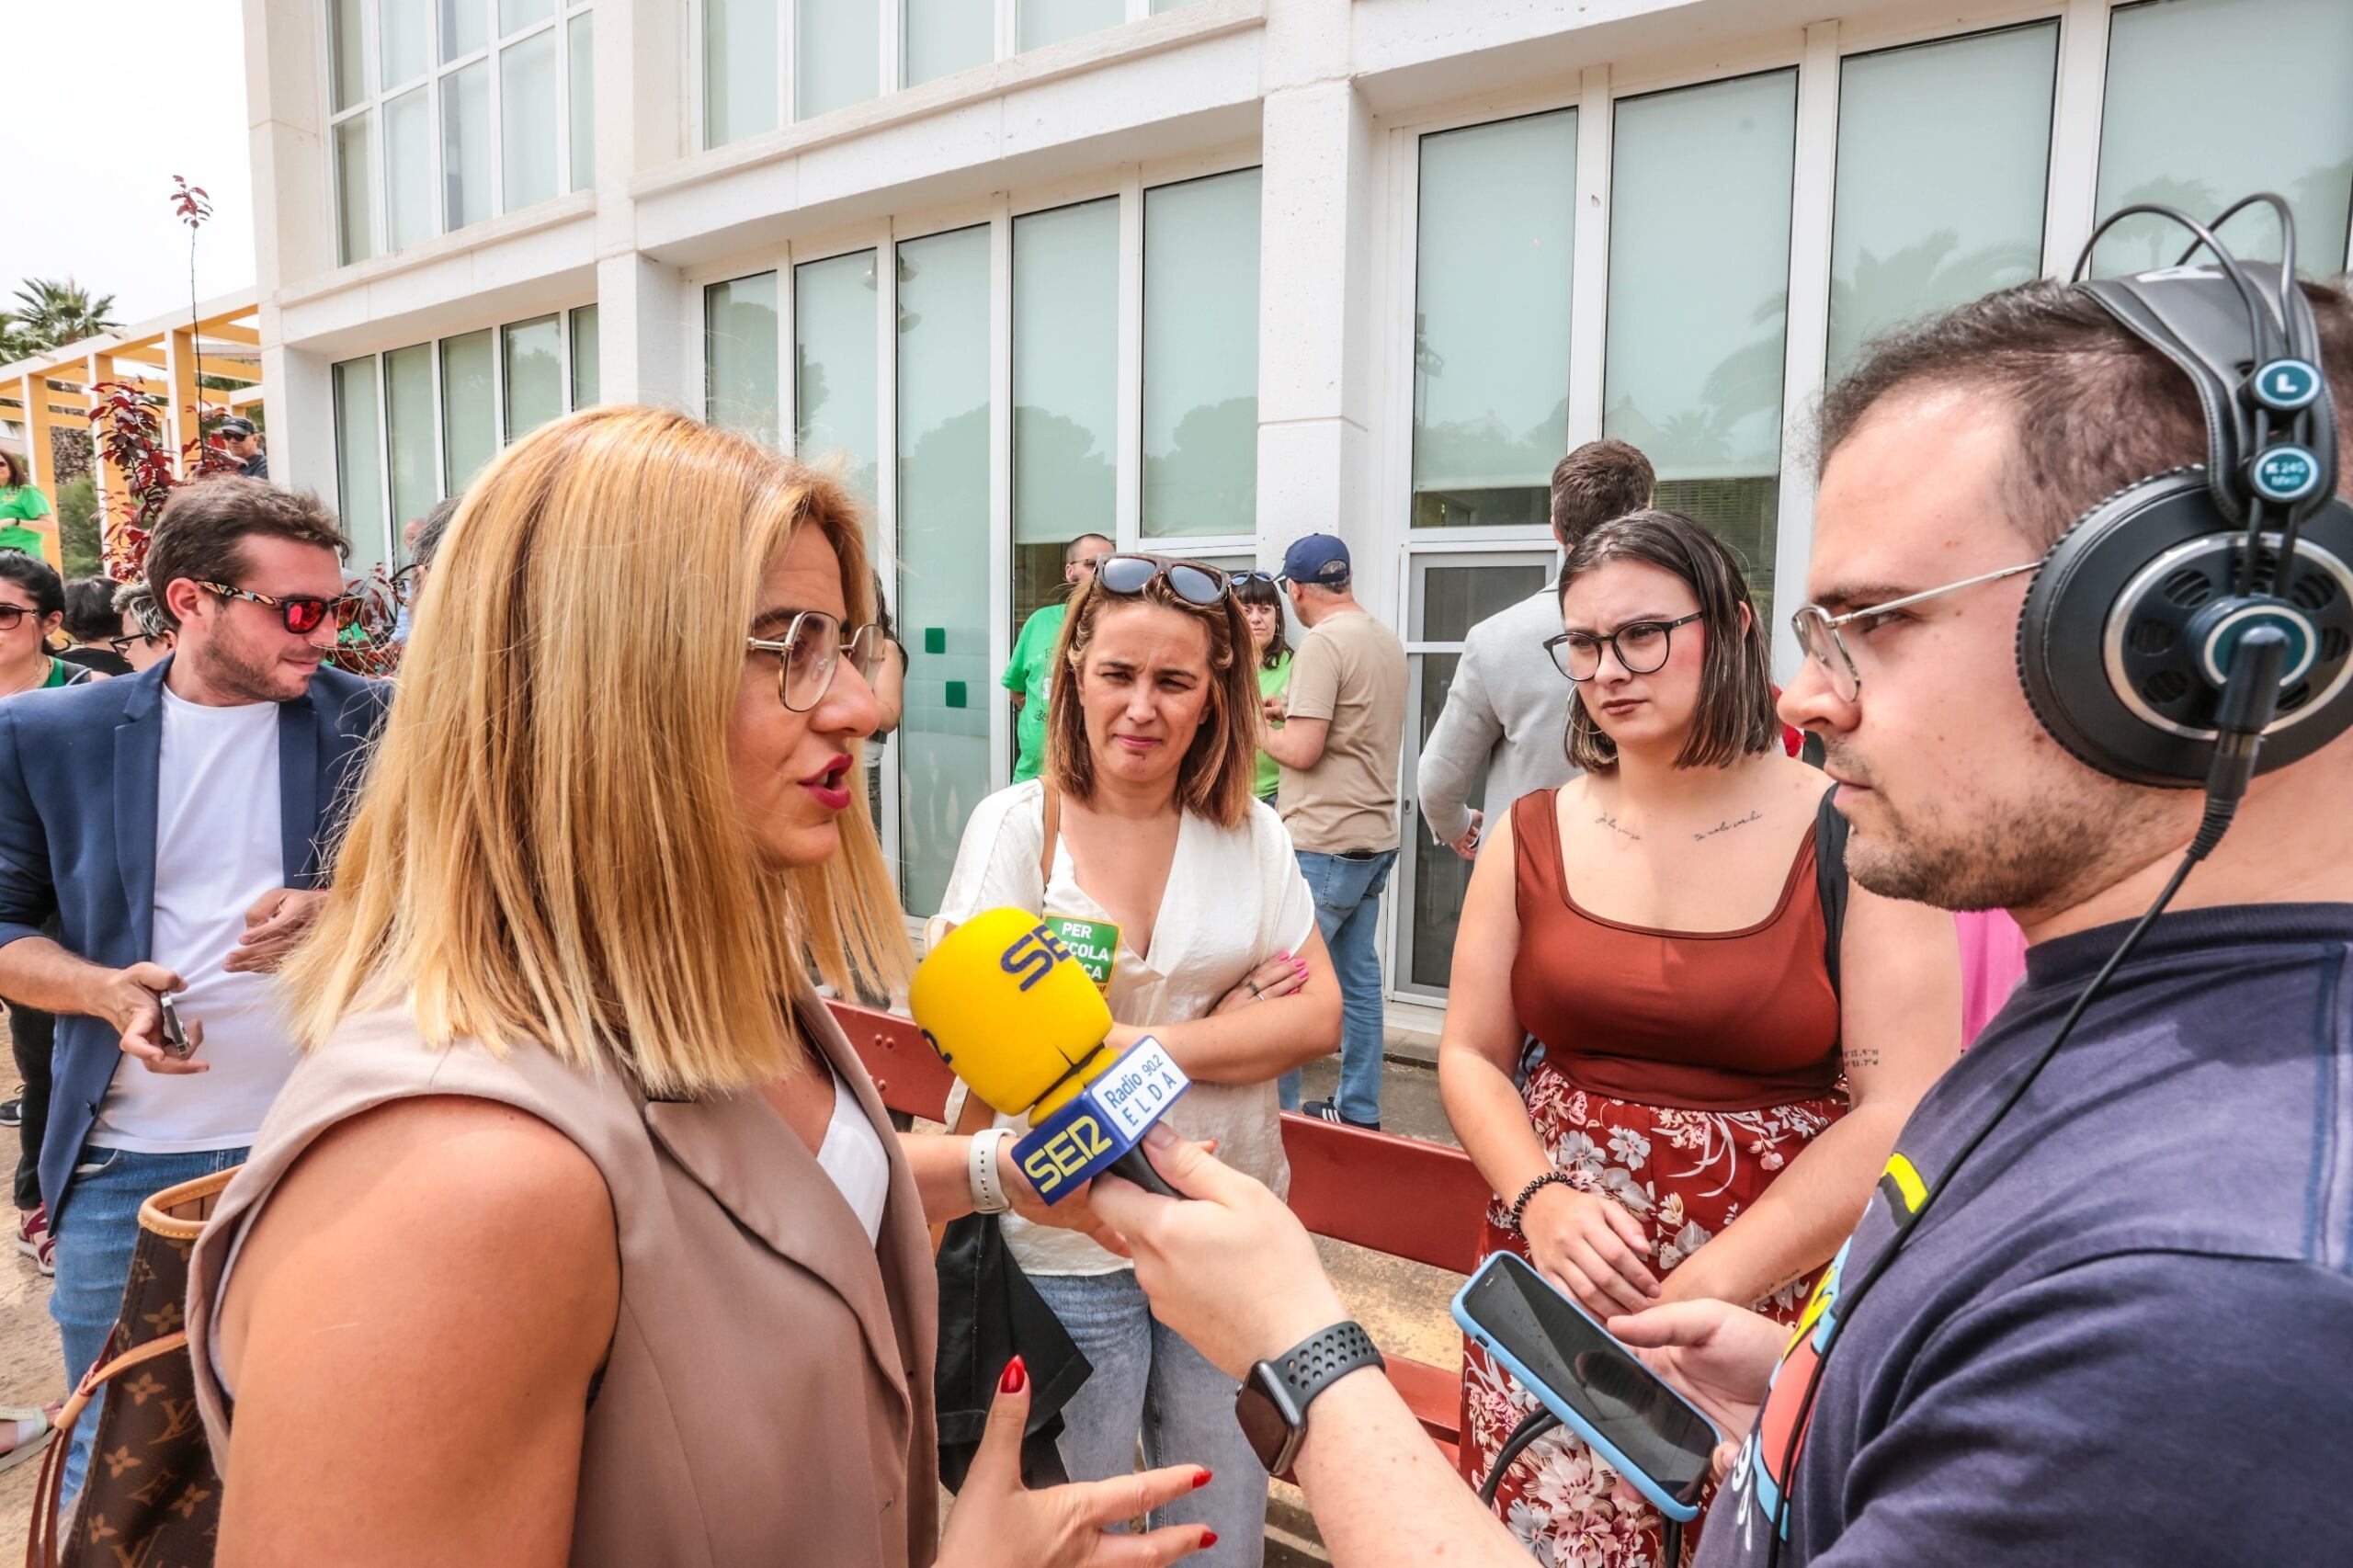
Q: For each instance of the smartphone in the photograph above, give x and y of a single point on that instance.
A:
(1654, 1436)
(175, 1044)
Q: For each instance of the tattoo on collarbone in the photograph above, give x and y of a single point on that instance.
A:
(1606, 820)
(1727, 826)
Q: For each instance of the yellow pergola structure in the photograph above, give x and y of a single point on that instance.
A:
(163, 358)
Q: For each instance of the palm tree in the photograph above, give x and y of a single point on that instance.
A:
(49, 312)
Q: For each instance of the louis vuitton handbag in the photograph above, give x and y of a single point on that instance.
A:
(152, 1496)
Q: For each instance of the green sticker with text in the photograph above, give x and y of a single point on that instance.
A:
(1094, 943)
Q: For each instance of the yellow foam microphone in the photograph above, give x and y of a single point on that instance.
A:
(1015, 1016)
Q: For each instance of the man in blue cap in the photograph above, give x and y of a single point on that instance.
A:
(1342, 718)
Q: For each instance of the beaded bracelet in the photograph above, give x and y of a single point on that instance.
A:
(1519, 1204)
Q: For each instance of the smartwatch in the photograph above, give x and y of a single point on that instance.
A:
(1273, 1401)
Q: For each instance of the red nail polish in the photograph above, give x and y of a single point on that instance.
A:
(1200, 1479)
(1208, 1539)
(1016, 1378)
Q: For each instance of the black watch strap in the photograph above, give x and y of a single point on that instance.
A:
(1296, 1377)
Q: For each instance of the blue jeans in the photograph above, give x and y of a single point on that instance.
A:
(1147, 1381)
(1347, 911)
(98, 1227)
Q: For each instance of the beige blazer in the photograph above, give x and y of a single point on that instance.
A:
(767, 1397)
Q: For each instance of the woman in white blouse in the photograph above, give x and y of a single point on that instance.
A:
(1152, 745)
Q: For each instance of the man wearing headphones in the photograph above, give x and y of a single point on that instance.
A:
(2111, 1285)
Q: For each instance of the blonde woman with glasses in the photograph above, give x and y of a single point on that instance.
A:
(579, 1236)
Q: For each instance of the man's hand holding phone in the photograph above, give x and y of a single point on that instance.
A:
(1719, 1357)
(134, 1005)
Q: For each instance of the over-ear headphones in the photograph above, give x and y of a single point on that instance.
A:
(2126, 639)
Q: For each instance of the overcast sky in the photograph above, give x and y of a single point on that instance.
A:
(90, 204)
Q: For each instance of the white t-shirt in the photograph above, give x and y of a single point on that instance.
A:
(853, 1155)
(1235, 898)
(218, 850)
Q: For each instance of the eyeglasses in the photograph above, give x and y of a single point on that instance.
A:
(1642, 647)
(810, 652)
(300, 613)
(122, 645)
(1130, 574)
(1818, 634)
(12, 614)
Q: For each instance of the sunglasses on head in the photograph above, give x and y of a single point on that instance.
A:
(300, 613)
(1128, 575)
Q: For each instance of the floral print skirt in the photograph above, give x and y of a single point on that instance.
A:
(1684, 1175)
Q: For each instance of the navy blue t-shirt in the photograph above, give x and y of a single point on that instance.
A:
(2126, 1335)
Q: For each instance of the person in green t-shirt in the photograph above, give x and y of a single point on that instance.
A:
(21, 508)
(1032, 669)
(1261, 606)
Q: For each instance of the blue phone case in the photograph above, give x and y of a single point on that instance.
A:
(1553, 1402)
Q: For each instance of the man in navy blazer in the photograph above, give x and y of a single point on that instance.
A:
(179, 825)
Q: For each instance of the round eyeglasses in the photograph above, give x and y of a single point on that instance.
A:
(1642, 647)
(810, 650)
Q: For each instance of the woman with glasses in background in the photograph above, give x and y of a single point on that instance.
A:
(1261, 606)
(1716, 1097)
(1142, 824)
(578, 1235)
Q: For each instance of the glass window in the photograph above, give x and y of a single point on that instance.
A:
(1160, 6)
(739, 356)
(939, 37)
(359, 461)
(1450, 595)
(465, 27)
(515, 15)
(409, 169)
(1944, 152)
(534, 374)
(468, 411)
(527, 119)
(405, 34)
(1496, 232)
(1201, 356)
(465, 147)
(1699, 289)
(354, 187)
(347, 54)
(408, 419)
(836, 54)
(582, 59)
(1050, 21)
(943, 608)
(2210, 101)
(583, 358)
(1065, 388)
(739, 70)
(833, 388)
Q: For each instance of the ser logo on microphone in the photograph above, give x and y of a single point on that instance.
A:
(1070, 1149)
(1033, 956)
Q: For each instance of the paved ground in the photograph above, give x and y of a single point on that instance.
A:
(1403, 1305)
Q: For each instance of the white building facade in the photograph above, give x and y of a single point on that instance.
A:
(1208, 275)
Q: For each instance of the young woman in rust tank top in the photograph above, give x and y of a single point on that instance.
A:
(1711, 1110)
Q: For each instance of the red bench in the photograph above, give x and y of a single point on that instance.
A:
(1396, 1196)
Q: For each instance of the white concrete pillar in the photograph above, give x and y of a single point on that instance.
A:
(643, 320)
(298, 402)
(1317, 355)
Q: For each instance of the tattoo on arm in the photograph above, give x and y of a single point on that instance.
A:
(1866, 1057)
(1606, 820)
(1728, 827)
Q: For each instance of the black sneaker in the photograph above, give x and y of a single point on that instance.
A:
(12, 1114)
(1324, 1110)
